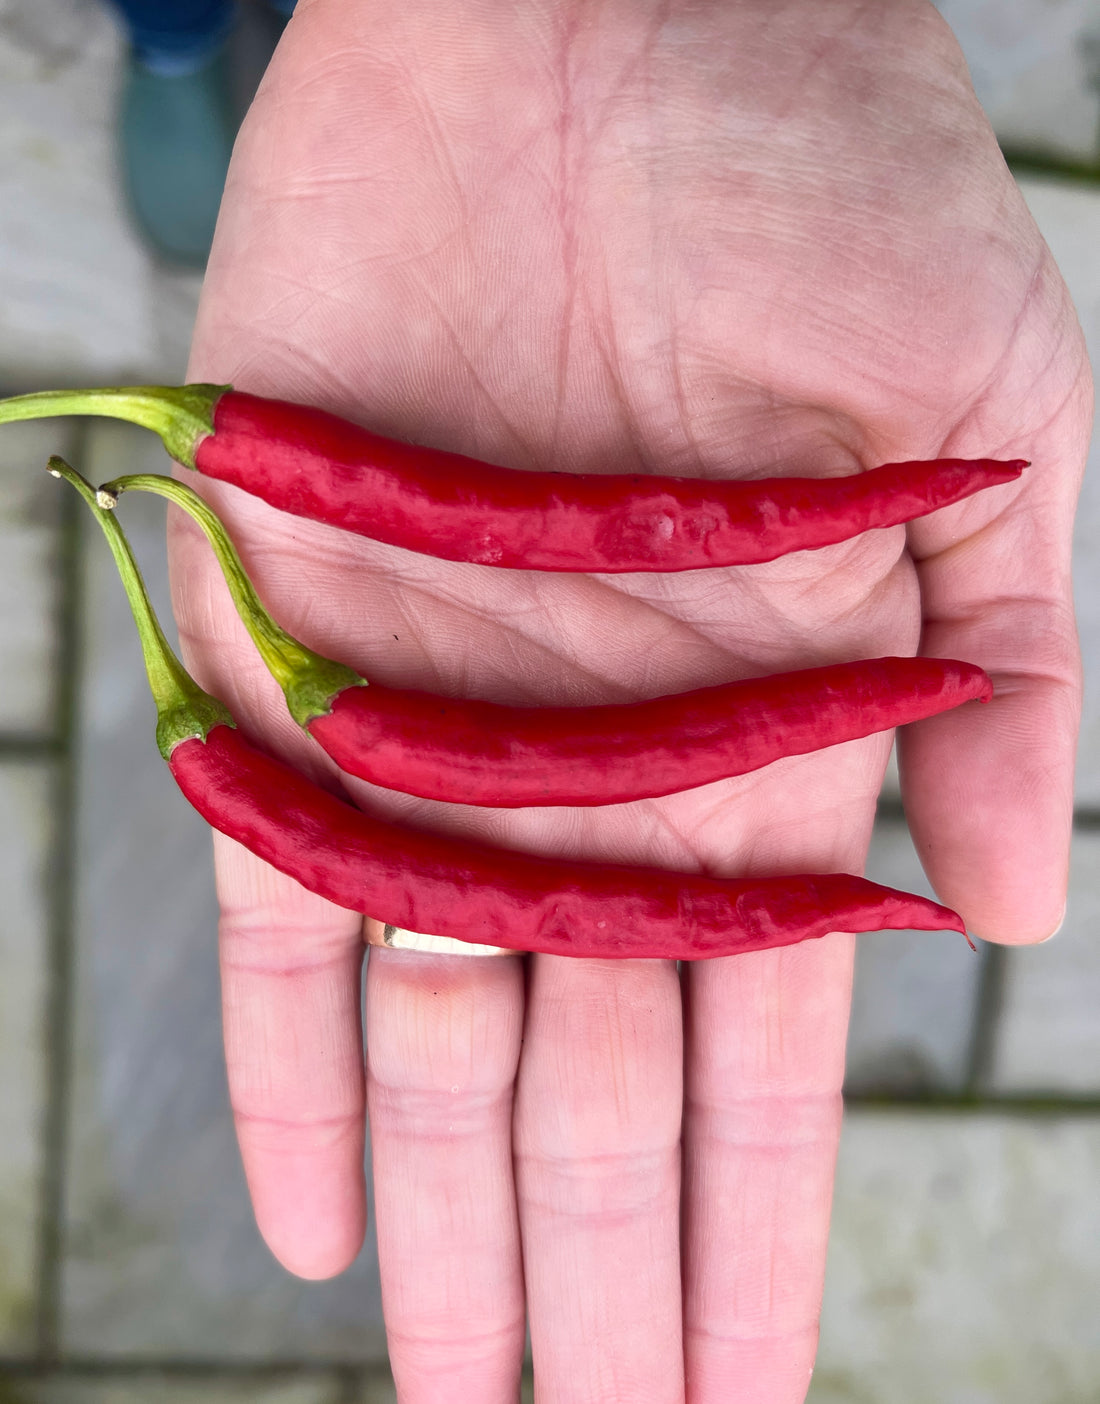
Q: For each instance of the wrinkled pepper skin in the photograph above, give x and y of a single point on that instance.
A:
(315, 465)
(473, 892)
(483, 753)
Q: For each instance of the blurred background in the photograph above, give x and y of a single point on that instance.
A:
(965, 1258)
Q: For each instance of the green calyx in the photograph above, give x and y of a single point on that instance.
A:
(309, 681)
(184, 710)
(183, 415)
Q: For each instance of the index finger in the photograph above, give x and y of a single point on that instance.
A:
(291, 967)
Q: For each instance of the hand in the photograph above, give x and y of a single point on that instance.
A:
(735, 239)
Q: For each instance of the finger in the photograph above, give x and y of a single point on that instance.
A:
(598, 1176)
(764, 1066)
(443, 1042)
(989, 790)
(291, 968)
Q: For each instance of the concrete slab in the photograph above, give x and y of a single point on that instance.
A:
(80, 297)
(915, 991)
(1035, 65)
(963, 1261)
(1048, 1033)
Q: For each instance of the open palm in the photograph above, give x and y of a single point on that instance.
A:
(728, 239)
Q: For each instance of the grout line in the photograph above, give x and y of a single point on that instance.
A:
(351, 1382)
(1021, 161)
(1023, 1104)
(988, 1004)
(891, 811)
(60, 953)
(14, 746)
(349, 1375)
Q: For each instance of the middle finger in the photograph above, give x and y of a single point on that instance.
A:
(597, 1145)
(443, 1040)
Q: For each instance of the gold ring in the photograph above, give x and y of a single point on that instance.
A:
(396, 938)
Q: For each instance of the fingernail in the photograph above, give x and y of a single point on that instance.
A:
(1061, 923)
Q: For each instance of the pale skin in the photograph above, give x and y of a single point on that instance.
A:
(712, 239)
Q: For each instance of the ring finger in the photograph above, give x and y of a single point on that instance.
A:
(443, 1037)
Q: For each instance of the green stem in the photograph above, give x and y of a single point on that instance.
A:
(184, 710)
(309, 681)
(183, 415)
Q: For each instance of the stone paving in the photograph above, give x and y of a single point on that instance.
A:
(965, 1257)
(963, 1260)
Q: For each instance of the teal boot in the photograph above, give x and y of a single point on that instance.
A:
(177, 132)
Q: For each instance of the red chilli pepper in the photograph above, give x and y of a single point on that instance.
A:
(315, 465)
(474, 752)
(471, 891)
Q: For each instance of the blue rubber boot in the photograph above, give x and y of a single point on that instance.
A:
(177, 132)
(283, 9)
